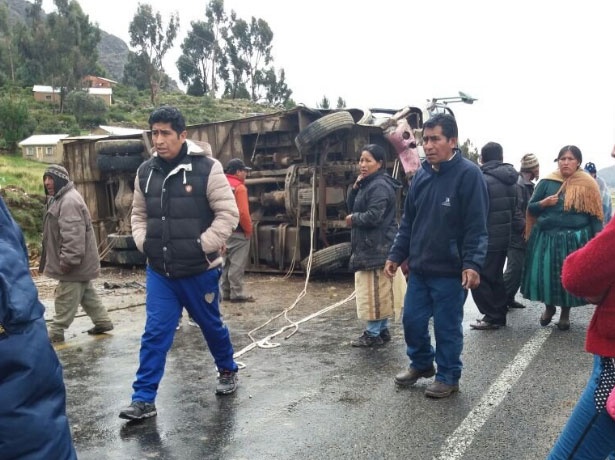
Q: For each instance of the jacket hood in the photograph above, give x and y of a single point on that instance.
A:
(504, 172)
(381, 175)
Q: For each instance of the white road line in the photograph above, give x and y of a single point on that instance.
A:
(456, 444)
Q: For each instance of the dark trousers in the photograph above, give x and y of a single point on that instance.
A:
(490, 295)
(514, 271)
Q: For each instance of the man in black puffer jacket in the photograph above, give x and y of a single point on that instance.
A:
(502, 220)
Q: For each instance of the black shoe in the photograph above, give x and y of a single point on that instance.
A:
(227, 382)
(411, 375)
(138, 410)
(482, 325)
(563, 324)
(385, 335)
(547, 315)
(100, 328)
(515, 304)
(366, 341)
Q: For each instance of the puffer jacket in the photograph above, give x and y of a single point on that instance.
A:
(501, 179)
(191, 228)
(33, 422)
(70, 252)
(374, 224)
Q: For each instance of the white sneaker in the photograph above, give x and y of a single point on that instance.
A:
(191, 322)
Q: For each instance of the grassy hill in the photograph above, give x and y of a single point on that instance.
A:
(21, 187)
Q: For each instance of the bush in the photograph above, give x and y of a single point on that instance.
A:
(89, 111)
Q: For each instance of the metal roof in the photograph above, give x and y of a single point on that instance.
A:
(42, 139)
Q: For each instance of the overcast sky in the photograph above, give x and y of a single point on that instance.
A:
(542, 71)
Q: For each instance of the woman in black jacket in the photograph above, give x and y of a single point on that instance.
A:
(372, 203)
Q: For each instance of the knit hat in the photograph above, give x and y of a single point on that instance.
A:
(590, 167)
(57, 171)
(529, 161)
(236, 165)
(59, 174)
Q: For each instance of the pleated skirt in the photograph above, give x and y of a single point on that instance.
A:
(377, 296)
(544, 257)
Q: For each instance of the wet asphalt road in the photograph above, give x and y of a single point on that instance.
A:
(314, 396)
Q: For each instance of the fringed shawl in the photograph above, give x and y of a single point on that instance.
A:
(581, 193)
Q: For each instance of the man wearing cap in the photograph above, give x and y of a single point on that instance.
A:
(238, 244)
(605, 193)
(70, 255)
(530, 172)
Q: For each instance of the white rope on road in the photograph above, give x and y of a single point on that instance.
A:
(265, 342)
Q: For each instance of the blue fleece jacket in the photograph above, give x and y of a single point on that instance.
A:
(444, 227)
(33, 423)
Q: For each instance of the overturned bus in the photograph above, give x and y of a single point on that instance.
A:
(303, 162)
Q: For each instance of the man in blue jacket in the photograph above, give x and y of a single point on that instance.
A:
(33, 423)
(443, 234)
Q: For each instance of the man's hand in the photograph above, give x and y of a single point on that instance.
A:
(64, 268)
(349, 220)
(390, 268)
(470, 279)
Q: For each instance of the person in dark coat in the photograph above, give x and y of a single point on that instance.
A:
(33, 422)
(372, 203)
(503, 219)
(515, 257)
(443, 234)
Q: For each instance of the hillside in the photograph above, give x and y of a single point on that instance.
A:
(112, 51)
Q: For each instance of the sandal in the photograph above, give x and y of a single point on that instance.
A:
(563, 324)
(547, 315)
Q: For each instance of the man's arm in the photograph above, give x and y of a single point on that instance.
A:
(138, 217)
(71, 223)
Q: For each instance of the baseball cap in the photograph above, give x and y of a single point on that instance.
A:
(236, 165)
(590, 167)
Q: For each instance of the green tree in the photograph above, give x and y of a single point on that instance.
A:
(152, 40)
(248, 50)
(341, 103)
(7, 50)
(60, 50)
(194, 65)
(31, 39)
(89, 111)
(277, 91)
(469, 151)
(15, 121)
(135, 71)
(218, 21)
(324, 103)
